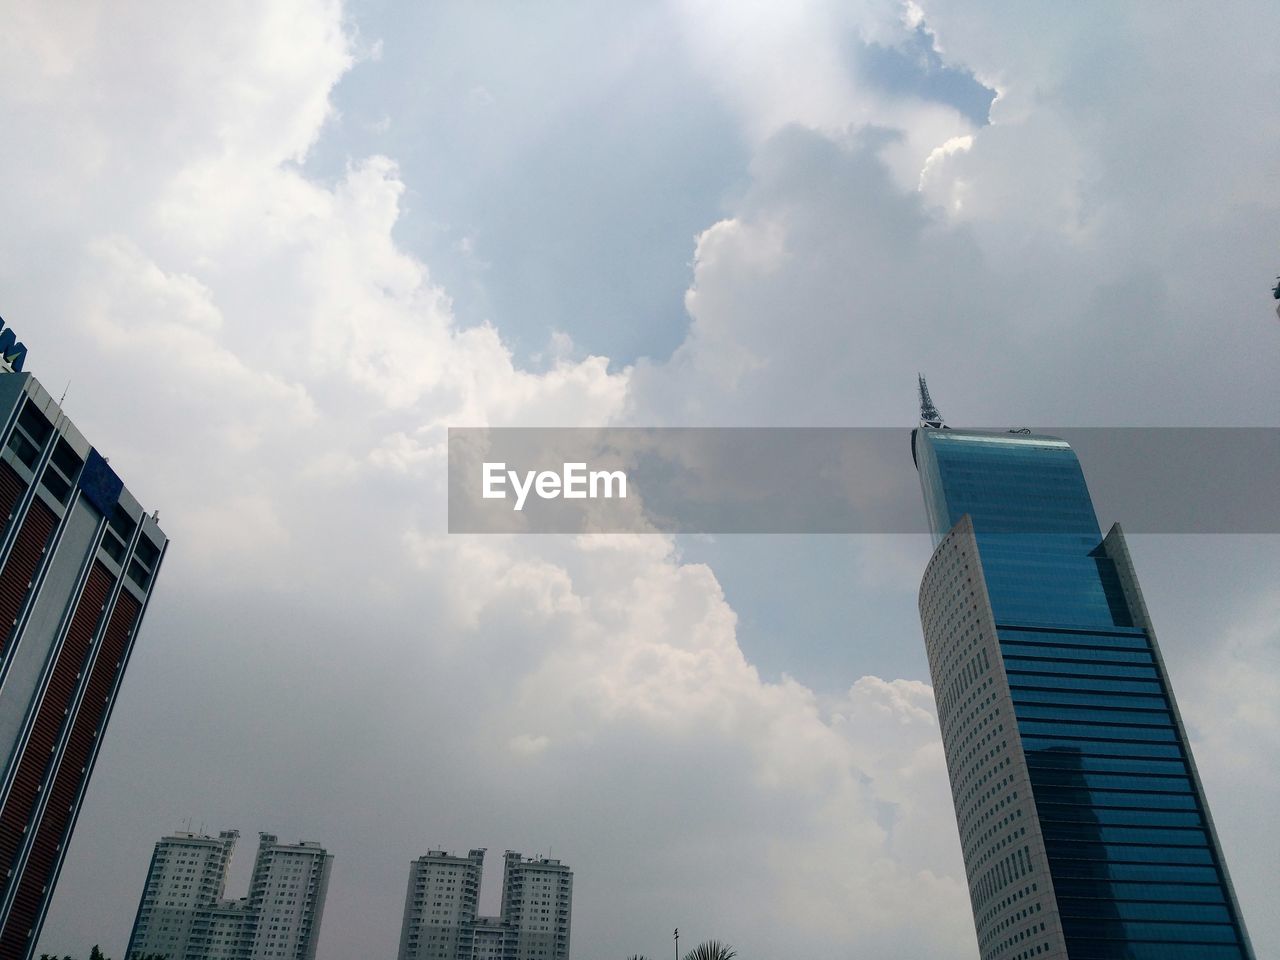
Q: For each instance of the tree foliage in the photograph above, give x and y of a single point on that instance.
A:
(711, 950)
(97, 954)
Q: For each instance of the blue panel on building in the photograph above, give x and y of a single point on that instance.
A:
(100, 484)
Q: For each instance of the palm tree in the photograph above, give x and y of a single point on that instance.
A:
(711, 950)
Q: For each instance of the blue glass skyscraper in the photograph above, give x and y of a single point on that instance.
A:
(1083, 824)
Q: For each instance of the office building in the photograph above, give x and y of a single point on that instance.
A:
(78, 560)
(440, 912)
(1083, 823)
(183, 914)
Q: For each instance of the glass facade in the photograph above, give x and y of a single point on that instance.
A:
(1136, 871)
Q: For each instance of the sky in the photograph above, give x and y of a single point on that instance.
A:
(277, 249)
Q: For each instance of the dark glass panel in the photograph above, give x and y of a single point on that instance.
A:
(148, 552)
(1107, 833)
(1134, 639)
(1087, 698)
(1045, 711)
(1042, 650)
(115, 549)
(35, 423)
(1080, 909)
(1087, 670)
(66, 460)
(1104, 889)
(1097, 731)
(53, 482)
(1063, 813)
(1050, 759)
(139, 574)
(25, 450)
(1039, 681)
(1089, 781)
(1082, 949)
(122, 523)
(1139, 930)
(1135, 872)
(1105, 748)
(1115, 798)
(1125, 853)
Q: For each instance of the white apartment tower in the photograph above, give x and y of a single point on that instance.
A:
(440, 919)
(286, 897)
(183, 914)
(187, 871)
(440, 905)
(537, 899)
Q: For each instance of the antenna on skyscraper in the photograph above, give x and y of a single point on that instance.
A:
(929, 415)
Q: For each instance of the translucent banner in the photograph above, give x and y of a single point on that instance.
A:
(830, 480)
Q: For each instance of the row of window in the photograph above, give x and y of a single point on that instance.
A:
(1147, 890)
(1073, 653)
(1098, 731)
(1133, 638)
(1199, 933)
(1080, 741)
(1125, 853)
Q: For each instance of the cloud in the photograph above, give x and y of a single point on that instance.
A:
(292, 369)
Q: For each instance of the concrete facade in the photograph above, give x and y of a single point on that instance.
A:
(187, 872)
(440, 905)
(286, 897)
(537, 902)
(1005, 861)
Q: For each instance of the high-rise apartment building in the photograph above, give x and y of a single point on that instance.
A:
(286, 897)
(187, 872)
(1083, 823)
(183, 914)
(78, 559)
(537, 899)
(440, 906)
(441, 922)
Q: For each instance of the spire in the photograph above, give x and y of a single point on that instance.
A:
(929, 415)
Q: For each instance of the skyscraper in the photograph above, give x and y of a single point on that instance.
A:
(1083, 823)
(183, 914)
(440, 919)
(78, 560)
